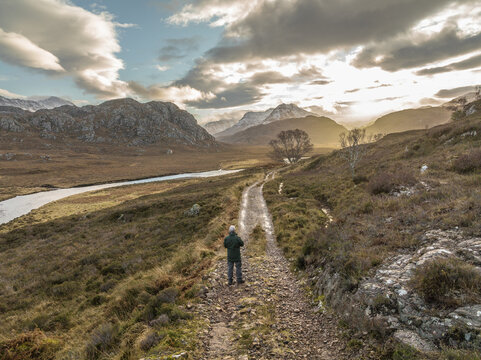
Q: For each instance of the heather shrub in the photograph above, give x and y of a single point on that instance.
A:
(381, 183)
(448, 282)
(468, 162)
(386, 182)
(102, 339)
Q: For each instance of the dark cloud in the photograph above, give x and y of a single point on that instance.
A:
(450, 93)
(235, 95)
(379, 86)
(472, 62)
(178, 48)
(403, 54)
(388, 98)
(268, 77)
(320, 82)
(317, 26)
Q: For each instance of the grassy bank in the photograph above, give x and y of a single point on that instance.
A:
(114, 275)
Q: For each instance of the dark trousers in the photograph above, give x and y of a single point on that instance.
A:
(238, 270)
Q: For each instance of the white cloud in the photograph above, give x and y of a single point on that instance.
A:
(177, 94)
(56, 35)
(9, 94)
(18, 50)
(216, 12)
(162, 68)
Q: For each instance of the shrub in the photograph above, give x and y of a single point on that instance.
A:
(468, 162)
(49, 322)
(385, 182)
(359, 179)
(101, 340)
(448, 282)
(405, 352)
(460, 355)
(381, 183)
(149, 339)
(33, 345)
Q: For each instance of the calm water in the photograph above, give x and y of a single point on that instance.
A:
(21, 205)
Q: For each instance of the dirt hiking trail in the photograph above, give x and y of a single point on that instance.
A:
(268, 317)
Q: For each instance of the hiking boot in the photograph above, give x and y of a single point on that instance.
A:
(240, 282)
(230, 283)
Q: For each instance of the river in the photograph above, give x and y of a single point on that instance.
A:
(21, 205)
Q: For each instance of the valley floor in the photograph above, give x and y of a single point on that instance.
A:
(270, 316)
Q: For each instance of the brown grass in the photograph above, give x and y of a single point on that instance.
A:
(94, 279)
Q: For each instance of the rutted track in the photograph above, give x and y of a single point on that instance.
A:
(272, 300)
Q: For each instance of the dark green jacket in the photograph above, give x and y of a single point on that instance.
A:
(233, 243)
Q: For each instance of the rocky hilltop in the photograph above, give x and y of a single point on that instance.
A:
(50, 102)
(122, 122)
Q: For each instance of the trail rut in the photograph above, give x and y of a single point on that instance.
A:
(270, 316)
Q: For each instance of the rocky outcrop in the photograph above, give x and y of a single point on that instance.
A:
(123, 121)
(387, 298)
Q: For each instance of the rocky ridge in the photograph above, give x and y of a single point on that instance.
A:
(122, 121)
(50, 102)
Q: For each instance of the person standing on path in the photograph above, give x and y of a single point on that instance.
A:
(233, 243)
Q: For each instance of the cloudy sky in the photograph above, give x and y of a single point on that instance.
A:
(348, 59)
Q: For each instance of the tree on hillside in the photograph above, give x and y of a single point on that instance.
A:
(457, 107)
(290, 145)
(352, 144)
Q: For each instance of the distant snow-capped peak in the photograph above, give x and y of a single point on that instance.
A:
(287, 111)
(34, 104)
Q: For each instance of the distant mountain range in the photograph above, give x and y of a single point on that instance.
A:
(253, 118)
(122, 122)
(322, 131)
(215, 127)
(252, 127)
(50, 102)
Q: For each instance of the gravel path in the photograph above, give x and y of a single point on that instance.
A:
(268, 317)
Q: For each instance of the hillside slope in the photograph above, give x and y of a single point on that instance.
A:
(322, 131)
(122, 121)
(401, 258)
(411, 119)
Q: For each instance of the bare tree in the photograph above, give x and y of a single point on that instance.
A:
(352, 147)
(290, 145)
